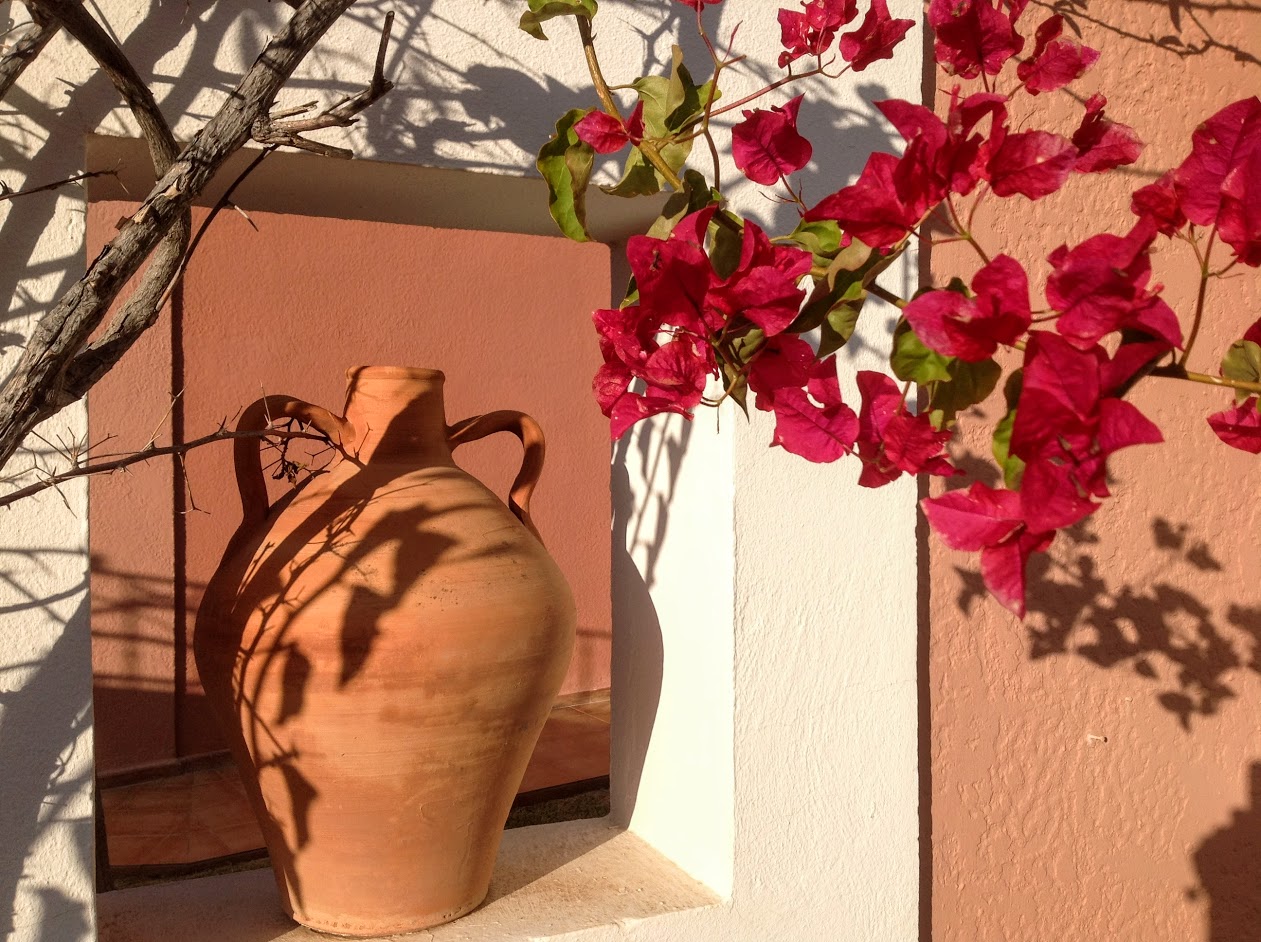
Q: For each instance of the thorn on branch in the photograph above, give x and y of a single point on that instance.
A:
(284, 128)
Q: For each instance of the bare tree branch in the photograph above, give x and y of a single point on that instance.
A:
(38, 388)
(272, 131)
(145, 454)
(7, 193)
(29, 45)
(142, 308)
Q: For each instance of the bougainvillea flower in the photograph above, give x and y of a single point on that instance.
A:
(809, 32)
(992, 522)
(1126, 363)
(1159, 203)
(763, 288)
(700, 4)
(1239, 427)
(892, 193)
(1102, 144)
(1066, 427)
(783, 362)
(972, 328)
(974, 36)
(893, 441)
(1032, 163)
(673, 276)
(1239, 219)
(679, 288)
(870, 209)
(1253, 333)
(1100, 286)
(1219, 145)
(876, 37)
(767, 146)
(674, 375)
(813, 422)
(1055, 62)
(969, 153)
(626, 335)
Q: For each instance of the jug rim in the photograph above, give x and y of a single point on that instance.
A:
(393, 372)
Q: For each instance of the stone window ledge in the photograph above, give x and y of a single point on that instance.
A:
(549, 880)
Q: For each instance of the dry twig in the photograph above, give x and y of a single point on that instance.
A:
(8, 193)
(80, 469)
(284, 129)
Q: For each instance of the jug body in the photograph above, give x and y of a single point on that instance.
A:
(383, 648)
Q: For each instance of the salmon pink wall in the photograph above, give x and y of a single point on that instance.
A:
(1096, 771)
(286, 307)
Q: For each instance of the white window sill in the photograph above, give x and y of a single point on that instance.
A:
(549, 880)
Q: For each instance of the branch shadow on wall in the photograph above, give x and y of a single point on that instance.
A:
(1228, 863)
(1187, 34)
(44, 718)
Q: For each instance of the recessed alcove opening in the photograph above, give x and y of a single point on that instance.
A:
(330, 264)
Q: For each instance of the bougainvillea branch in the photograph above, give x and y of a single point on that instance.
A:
(714, 299)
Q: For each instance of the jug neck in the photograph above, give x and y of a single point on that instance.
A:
(398, 415)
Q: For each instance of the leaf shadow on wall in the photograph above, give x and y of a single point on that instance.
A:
(1158, 629)
(1188, 34)
(1228, 862)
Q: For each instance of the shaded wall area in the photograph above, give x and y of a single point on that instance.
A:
(1093, 770)
(282, 303)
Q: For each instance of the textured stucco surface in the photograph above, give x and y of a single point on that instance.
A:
(1096, 770)
(764, 726)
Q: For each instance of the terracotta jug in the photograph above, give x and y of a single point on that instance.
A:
(382, 647)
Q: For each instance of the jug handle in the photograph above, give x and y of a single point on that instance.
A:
(531, 435)
(257, 416)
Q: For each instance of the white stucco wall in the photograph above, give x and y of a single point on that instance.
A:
(764, 652)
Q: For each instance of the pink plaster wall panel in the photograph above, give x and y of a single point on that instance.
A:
(288, 307)
(1094, 770)
(132, 547)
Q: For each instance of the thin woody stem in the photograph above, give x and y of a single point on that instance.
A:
(145, 454)
(1176, 371)
(818, 70)
(650, 151)
(964, 233)
(1200, 295)
(8, 194)
(886, 295)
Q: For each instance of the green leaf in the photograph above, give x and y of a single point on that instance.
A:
(1013, 467)
(638, 178)
(821, 238)
(969, 384)
(566, 163)
(724, 254)
(541, 11)
(839, 325)
(695, 196)
(1242, 363)
(669, 103)
(914, 362)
